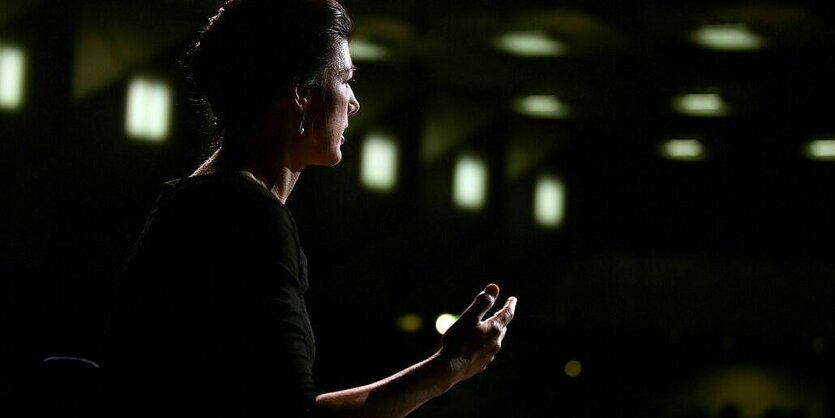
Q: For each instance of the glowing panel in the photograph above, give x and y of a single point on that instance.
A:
(470, 183)
(379, 162)
(703, 104)
(683, 150)
(821, 149)
(573, 368)
(730, 37)
(363, 49)
(530, 44)
(12, 71)
(148, 110)
(541, 106)
(549, 202)
(444, 321)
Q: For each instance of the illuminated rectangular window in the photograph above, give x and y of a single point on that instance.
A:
(701, 105)
(820, 149)
(683, 149)
(12, 71)
(148, 110)
(549, 202)
(470, 183)
(364, 49)
(542, 106)
(379, 162)
(530, 44)
(727, 37)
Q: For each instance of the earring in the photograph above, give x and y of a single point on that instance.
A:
(301, 124)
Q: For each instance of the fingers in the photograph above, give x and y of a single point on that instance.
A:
(482, 303)
(492, 289)
(510, 305)
(503, 316)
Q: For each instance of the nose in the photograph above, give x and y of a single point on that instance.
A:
(353, 105)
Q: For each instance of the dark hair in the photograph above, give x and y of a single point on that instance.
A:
(252, 51)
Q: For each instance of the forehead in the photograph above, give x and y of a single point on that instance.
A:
(343, 57)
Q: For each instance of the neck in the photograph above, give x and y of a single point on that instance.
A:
(278, 178)
(263, 149)
(280, 182)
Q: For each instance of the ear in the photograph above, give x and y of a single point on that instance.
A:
(300, 96)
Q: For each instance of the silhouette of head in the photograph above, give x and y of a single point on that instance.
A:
(252, 53)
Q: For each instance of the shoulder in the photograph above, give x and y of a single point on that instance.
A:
(217, 189)
(224, 208)
(233, 217)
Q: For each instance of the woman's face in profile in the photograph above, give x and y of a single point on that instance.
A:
(330, 112)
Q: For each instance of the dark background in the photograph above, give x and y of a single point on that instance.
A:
(684, 289)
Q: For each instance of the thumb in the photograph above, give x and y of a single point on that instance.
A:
(482, 303)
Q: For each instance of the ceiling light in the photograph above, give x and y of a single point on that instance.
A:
(11, 77)
(541, 106)
(701, 105)
(820, 149)
(549, 202)
(363, 49)
(683, 150)
(410, 322)
(379, 162)
(573, 368)
(470, 183)
(444, 321)
(532, 43)
(148, 110)
(728, 37)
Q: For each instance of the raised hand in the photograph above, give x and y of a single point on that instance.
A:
(472, 342)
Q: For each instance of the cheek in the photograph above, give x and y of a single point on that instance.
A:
(337, 111)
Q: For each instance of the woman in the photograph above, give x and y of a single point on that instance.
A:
(210, 317)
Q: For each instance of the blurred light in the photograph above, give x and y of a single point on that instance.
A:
(148, 110)
(573, 368)
(541, 106)
(729, 37)
(470, 183)
(819, 345)
(683, 150)
(363, 49)
(379, 162)
(445, 321)
(549, 202)
(704, 104)
(409, 323)
(532, 43)
(11, 77)
(756, 390)
(821, 149)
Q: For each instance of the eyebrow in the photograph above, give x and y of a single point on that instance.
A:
(351, 69)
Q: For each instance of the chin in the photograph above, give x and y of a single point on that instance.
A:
(333, 159)
(337, 155)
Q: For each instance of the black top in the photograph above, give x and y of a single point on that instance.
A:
(210, 319)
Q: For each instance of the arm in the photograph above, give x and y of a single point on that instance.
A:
(467, 348)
